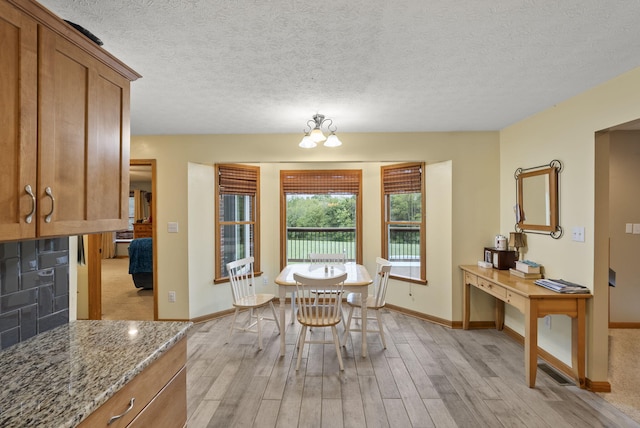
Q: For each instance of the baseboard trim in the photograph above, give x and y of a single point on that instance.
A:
(214, 315)
(209, 317)
(590, 385)
(594, 386)
(624, 325)
(422, 316)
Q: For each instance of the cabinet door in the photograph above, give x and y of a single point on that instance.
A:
(83, 141)
(18, 121)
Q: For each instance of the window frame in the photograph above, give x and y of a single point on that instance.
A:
(386, 189)
(323, 184)
(218, 261)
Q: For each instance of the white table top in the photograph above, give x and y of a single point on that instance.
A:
(357, 275)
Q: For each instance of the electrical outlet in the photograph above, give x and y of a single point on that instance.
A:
(172, 296)
(577, 234)
(265, 280)
(547, 321)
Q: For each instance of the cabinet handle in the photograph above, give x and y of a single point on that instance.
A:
(48, 192)
(29, 216)
(115, 418)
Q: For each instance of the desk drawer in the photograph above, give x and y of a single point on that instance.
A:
(470, 279)
(516, 300)
(492, 288)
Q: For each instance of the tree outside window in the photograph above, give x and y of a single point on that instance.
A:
(321, 213)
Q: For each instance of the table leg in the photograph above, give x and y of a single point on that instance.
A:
(578, 343)
(466, 310)
(282, 293)
(363, 309)
(531, 342)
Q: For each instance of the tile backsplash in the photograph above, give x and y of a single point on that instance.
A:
(34, 288)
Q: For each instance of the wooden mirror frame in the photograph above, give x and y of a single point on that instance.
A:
(550, 171)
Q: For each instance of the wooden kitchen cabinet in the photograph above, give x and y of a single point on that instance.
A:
(18, 120)
(66, 102)
(156, 397)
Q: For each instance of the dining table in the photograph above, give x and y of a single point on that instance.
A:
(358, 281)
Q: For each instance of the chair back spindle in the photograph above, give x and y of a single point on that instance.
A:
(241, 278)
(383, 270)
(327, 258)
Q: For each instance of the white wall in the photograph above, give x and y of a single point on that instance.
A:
(74, 308)
(204, 296)
(566, 132)
(468, 192)
(207, 298)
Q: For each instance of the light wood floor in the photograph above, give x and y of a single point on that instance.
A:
(429, 376)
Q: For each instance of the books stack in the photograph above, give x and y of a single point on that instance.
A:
(526, 269)
(562, 286)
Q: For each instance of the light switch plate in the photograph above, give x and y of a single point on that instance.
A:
(628, 228)
(636, 228)
(172, 227)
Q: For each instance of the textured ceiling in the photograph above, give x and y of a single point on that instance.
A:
(266, 66)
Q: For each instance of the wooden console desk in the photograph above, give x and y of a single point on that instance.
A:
(534, 302)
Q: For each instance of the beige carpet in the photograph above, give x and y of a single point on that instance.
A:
(121, 300)
(624, 371)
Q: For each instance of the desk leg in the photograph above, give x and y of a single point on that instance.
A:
(363, 310)
(466, 309)
(499, 315)
(531, 342)
(282, 293)
(578, 343)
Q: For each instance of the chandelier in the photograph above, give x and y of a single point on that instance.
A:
(313, 133)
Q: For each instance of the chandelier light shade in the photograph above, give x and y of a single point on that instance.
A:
(332, 141)
(314, 134)
(307, 142)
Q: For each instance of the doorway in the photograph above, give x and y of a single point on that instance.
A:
(614, 259)
(112, 294)
(617, 172)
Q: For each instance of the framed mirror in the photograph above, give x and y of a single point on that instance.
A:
(537, 199)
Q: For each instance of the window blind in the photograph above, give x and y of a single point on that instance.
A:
(404, 178)
(237, 179)
(333, 182)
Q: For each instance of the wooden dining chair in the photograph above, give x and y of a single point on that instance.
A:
(245, 297)
(327, 259)
(374, 302)
(319, 307)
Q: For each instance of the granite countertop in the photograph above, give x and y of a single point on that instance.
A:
(58, 378)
